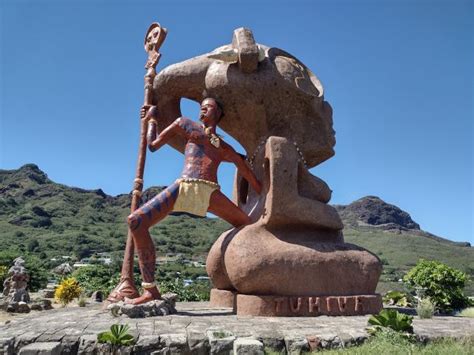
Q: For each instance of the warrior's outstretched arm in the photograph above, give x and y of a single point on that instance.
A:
(154, 142)
(242, 166)
(163, 138)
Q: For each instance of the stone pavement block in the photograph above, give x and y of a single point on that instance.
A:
(100, 326)
(242, 332)
(145, 328)
(25, 339)
(50, 336)
(87, 344)
(70, 343)
(160, 325)
(174, 343)
(221, 341)
(248, 346)
(105, 349)
(325, 341)
(146, 344)
(272, 340)
(7, 345)
(198, 342)
(46, 348)
(296, 345)
(346, 339)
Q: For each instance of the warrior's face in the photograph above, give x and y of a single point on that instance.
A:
(210, 112)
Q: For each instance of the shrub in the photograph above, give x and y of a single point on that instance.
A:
(82, 301)
(41, 222)
(33, 245)
(19, 234)
(96, 278)
(3, 274)
(396, 298)
(117, 335)
(390, 318)
(468, 312)
(425, 308)
(198, 291)
(37, 272)
(444, 284)
(7, 257)
(67, 290)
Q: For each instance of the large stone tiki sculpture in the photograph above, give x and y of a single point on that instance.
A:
(292, 261)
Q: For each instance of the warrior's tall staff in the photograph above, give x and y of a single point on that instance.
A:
(154, 38)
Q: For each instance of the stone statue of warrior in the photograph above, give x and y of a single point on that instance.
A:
(196, 192)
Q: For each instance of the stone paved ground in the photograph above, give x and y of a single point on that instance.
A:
(198, 329)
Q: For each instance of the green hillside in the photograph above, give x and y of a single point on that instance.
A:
(40, 216)
(399, 252)
(48, 220)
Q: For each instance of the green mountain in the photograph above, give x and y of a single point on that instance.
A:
(50, 220)
(40, 216)
(390, 232)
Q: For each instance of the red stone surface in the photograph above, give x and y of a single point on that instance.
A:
(308, 306)
(295, 247)
(222, 298)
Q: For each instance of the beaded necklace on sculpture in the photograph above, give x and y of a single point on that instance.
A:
(261, 144)
(214, 139)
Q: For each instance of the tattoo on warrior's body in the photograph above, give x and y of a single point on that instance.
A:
(147, 259)
(134, 222)
(152, 210)
(202, 159)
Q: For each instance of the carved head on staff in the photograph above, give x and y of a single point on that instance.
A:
(154, 38)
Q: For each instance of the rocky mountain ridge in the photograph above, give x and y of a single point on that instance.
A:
(373, 212)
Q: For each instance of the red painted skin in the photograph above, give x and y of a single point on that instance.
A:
(202, 160)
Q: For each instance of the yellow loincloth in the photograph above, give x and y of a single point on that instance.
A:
(194, 195)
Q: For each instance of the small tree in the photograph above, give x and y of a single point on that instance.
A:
(443, 284)
(425, 308)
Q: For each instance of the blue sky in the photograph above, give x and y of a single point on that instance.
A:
(398, 74)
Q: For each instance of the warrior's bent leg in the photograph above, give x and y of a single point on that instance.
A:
(139, 223)
(224, 208)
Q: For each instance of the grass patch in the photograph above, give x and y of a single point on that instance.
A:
(396, 344)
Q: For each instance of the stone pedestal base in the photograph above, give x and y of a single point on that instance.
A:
(294, 306)
(307, 306)
(161, 307)
(222, 298)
